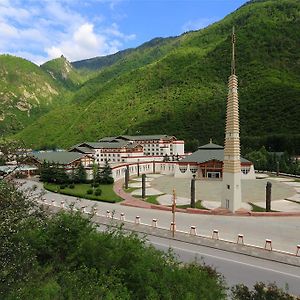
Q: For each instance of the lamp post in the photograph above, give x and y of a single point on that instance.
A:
(277, 168)
(173, 212)
(138, 168)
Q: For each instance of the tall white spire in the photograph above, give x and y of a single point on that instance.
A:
(231, 198)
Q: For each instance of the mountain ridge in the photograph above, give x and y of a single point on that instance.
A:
(179, 86)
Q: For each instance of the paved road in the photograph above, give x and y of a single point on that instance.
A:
(236, 268)
(283, 231)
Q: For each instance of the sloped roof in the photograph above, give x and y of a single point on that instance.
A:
(208, 152)
(211, 146)
(137, 137)
(109, 139)
(109, 145)
(85, 150)
(60, 157)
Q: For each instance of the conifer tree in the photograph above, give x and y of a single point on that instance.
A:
(80, 174)
(106, 173)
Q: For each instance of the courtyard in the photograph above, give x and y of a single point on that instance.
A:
(285, 192)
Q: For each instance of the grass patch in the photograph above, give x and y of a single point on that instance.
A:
(256, 208)
(80, 191)
(198, 205)
(153, 199)
(129, 190)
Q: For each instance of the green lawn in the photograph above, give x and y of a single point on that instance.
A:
(80, 191)
(256, 208)
(153, 199)
(198, 205)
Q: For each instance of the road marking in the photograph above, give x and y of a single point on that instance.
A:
(229, 260)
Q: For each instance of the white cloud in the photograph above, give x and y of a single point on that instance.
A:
(198, 24)
(37, 59)
(114, 30)
(84, 43)
(7, 31)
(42, 30)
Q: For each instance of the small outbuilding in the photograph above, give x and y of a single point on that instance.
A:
(207, 163)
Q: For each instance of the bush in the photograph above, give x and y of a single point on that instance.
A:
(260, 291)
(98, 192)
(89, 192)
(62, 186)
(71, 186)
(107, 180)
(95, 185)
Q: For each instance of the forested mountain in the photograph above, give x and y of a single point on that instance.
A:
(62, 71)
(26, 92)
(179, 85)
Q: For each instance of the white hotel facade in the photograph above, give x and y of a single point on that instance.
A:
(159, 154)
(131, 149)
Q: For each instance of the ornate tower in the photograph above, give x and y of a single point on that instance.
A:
(231, 197)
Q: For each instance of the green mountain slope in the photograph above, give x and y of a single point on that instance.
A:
(26, 93)
(62, 71)
(179, 86)
(97, 63)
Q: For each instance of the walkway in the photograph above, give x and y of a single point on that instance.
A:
(128, 199)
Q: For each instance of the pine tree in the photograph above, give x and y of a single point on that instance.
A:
(80, 174)
(106, 173)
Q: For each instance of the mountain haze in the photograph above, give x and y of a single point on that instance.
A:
(179, 85)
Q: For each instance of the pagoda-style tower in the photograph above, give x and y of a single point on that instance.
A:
(231, 197)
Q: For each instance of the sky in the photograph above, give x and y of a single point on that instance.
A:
(40, 30)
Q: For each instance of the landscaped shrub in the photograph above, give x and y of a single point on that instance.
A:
(98, 192)
(95, 185)
(62, 186)
(71, 186)
(89, 192)
(107, 180)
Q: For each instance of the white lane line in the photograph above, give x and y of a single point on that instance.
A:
(228, 259)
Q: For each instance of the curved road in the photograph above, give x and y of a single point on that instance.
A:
(237, 268)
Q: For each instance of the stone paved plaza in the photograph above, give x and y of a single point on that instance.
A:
(210, 192)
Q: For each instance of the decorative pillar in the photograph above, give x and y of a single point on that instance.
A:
(193, 192)
(231, 198)
(126, 177)
(143, 186)
(138, 169)
(268, 196)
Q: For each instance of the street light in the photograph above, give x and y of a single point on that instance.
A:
(173, 212)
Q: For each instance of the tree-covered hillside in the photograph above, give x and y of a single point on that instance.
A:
(26, 93)
(63, 71)
(179, 85)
